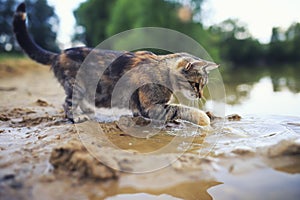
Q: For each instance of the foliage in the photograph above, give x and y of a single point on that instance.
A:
(236, 44)
(6, 11)
(140, 14)
(94, 17)
(122, 15)
(229, 41)
(285, 45)
(42, 24)
(238, 47)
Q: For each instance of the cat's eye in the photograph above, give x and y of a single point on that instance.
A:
(188, 66)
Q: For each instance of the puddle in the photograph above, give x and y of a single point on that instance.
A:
(256, 157)
(252, 133)
(252, 158)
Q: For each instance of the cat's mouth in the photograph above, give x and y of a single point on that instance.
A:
(198, 91)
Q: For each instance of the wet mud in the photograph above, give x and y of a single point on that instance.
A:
(42, 156)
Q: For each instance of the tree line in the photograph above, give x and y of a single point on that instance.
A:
(238, 46)
(96, 20)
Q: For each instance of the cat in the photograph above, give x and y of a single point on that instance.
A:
(154, 77)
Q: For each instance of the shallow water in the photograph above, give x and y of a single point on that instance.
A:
(255, 157)
(263, 90)
(259, 184)
(262, 99)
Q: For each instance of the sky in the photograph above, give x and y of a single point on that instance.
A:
(259, 15)
(64, 10)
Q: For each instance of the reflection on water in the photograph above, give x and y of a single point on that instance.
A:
(260, 184)
(260, 98)
(255, 158)
(263, 90)
(251, 158)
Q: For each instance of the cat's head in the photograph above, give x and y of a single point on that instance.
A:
(195, 71)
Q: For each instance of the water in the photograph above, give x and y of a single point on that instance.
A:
(254, 158)
(260, 184)
(262, 99)
(263, 90)
(257, 157)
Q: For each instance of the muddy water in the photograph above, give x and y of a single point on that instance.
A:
(251, 158)
(44, 157)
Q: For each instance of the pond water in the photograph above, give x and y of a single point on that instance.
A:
(254, 158)
(263, 90)
(259, 155)
(262, 99)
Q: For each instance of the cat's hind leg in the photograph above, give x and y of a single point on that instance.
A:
(74, 99)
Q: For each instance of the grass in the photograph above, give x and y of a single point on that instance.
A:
(16, 64)
(8, 56)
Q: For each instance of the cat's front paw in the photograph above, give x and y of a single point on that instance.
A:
(193, 115)
(81, 118)
(202, 118)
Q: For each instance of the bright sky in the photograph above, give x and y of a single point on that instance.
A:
(259, 15)
(64, 10)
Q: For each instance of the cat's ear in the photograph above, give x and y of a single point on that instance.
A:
(210, 66)
(188, 66)
(183, 64)
(204, 66)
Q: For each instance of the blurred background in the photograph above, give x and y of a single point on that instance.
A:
(257, 42)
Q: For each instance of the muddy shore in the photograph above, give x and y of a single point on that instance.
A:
(42, 156)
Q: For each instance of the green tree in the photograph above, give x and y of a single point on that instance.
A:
(293, 41)
(279, 49)
(6, 36)
(145, 13)
(128, 14)
(93, 16)
(42, 23)
(277, 35)
(285, 44)
(101, 19)
(236, 44)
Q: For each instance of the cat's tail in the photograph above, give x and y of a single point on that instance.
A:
(25, 41)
